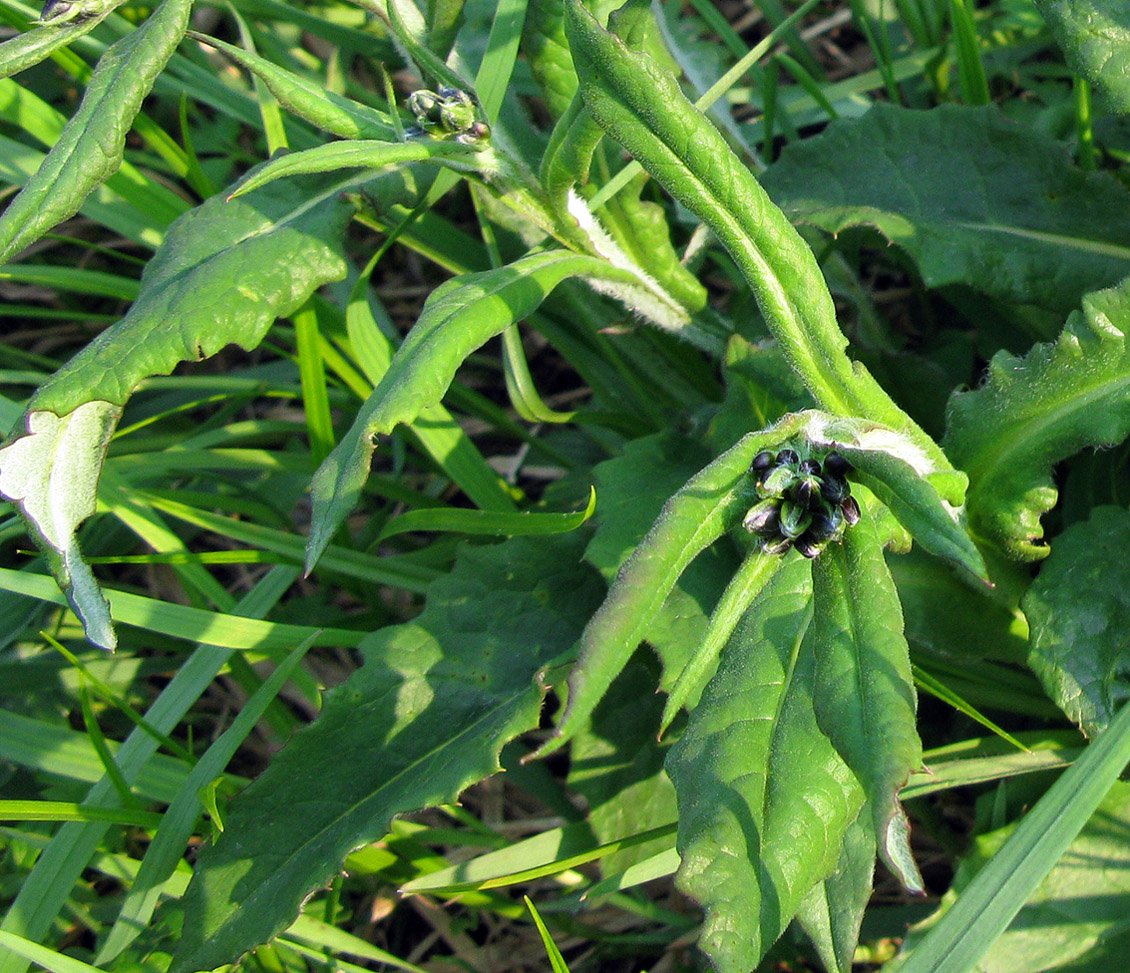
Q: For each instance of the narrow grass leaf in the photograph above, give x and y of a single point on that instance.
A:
(985, 908)
(68, 811)
(549, 853)
(556, 960)
(488, 522)
(45, 890)
(167, 848)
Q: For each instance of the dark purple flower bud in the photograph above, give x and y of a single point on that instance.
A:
(787, 457)
(834, 489)
(826, 526)
(762, 461)
(808, 546)
(763, 518)
(809, 467)
(850, 510)
(837, 465)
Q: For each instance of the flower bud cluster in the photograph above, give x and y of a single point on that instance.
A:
(803, 503)
(449, 113)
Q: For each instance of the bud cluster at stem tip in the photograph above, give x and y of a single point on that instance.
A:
(449, 113)
(803, 503)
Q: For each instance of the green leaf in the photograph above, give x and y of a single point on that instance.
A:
(51, 474)
(224, 273)
(1095, 37)
(1076, 918)
(489, 523)
(547, 52)
(642, 107)
(974, 197)
(458, 317)
(709, 503)
(33, 46)
(1079, 612)
(864, 691)
(764, 799)
(1033, 412)
(367, 154)
(616, 765)
(986, 907)
(425, 717)
(300, 96)
(832, 912)
(93, 141)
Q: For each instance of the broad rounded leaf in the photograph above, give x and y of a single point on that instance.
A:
(974, 197)
(1095, 36)
(1079, 612)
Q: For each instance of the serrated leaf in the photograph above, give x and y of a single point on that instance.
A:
(51, 474)
(457, 318)
(1095, 36)
(642, 107)
(93, 141)
(1034, 411)
(224, 273)
(764, 799)
(425, 717)
(974, 197)
(1078, 609)
(864, 690)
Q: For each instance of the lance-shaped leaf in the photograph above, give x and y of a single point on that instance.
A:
(1079, 612)
(425, 717)
(304, 98)
(93, 141)
(832, 912)
(1034, 411)
(32, 46)
(711, 502)
(458, 317)
(1095, 36)
(547, 52)
(363, 154)
(764, 799)
(642, 107)
(224, 273)
(974, 198)
(864, 690)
